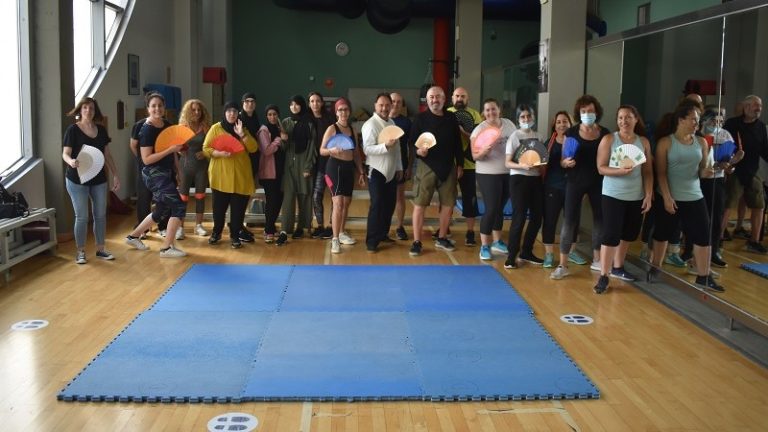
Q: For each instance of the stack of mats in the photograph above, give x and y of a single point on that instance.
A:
(238, 333)
(758, 269)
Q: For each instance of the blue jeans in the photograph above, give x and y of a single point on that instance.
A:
(79, 195)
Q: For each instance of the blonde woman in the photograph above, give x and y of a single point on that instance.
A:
(194, 164)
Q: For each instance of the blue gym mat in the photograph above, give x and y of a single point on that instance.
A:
(238, 333)
(758, 269)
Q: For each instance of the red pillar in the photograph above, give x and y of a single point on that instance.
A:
(441, 53)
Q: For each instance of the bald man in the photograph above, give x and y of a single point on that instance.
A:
(437, 168)
(751, 134)
(467, 182)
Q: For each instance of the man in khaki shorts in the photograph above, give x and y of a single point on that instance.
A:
(750, 133)
(437, 168)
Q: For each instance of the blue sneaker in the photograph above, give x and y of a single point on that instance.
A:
(575, 258)
(500, 247)
(675, 260)
(549, 260)
(485, 253)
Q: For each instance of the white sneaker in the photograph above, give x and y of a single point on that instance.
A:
(346, 239)
(180, 233)
(136, 242)
(80, 258)
(559, 273)
(595, 266)
(172, 252)
(199, 230)
(335, 246)
(162, 233)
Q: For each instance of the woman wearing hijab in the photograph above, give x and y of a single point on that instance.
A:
(230, 175)
(159, 175)
(300, 156)
(250, 119)
(87, 132)
(194, 164)
(271, 168)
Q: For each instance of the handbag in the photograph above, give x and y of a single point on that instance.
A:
(12, 204)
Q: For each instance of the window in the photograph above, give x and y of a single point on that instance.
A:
(14, 85)
(99, 26)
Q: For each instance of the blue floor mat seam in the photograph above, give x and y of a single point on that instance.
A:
(88, 398)
(181, 276)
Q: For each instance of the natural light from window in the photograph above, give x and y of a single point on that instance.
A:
(10, 86)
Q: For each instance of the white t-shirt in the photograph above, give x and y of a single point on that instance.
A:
(513, 143)
(493, 162)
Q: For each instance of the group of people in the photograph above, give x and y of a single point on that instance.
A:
(680, 188)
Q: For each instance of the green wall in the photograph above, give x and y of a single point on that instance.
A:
(621, 15)
(510, 38)
(276, 50)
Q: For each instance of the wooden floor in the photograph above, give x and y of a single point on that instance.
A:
(655, 370)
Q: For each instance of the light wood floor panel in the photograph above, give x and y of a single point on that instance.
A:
(655, 370)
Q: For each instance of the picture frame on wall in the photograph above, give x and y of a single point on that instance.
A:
(134, 87)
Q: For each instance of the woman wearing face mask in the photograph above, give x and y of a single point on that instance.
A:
(492, 179)
(271, 167)
(627, 195)
(525, 191)
(194, 164)
(322, 120)
(300, 156)
(681, 157)
(230, 175)
(340, 174)
(713, 181)
(582, 179)
(554, 192)
(159, 175)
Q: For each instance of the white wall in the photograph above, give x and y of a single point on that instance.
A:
(165, 35)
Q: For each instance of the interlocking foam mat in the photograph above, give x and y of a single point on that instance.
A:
(758, 269)
(239, 333)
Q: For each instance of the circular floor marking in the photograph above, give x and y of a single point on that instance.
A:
(577, 319)
(233, 421)
(29, 325)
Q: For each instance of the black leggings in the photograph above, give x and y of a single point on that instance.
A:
(554, 200)
(237, 204)
(495, 191)
(468, 187)
(573, 196)
(527, 196)
(714, 195)
(621, 220)
(273, 195)
(691, 215)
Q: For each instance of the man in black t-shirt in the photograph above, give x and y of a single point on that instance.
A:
(750, 133)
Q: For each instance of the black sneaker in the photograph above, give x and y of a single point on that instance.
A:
(532, 259)
(756, 247)
(415, 248)
(317, 232)
(299, 233)
(436, 234)
(214, 238)
(470, 239)
(652, 275)
(510, 263)
(401, 234)
(445, 244)
(741, 233)
(621, 273)
(245, 236)
(708, 283)
(236, 244)
(246, 230)
(717, 261)
(327, 233)
(282, 238)
(602, 285)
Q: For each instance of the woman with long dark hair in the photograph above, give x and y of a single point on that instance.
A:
(322, 120)
(627, 193)
(87, 131)
(159, 175)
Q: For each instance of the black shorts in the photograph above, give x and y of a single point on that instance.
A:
(621, 220)
(692, 217)
(340, 177)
